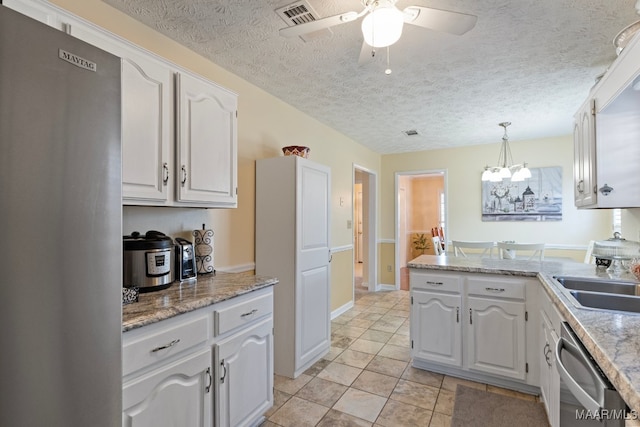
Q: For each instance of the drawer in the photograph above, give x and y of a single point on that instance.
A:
(496, 287)
(162, 343)
(242, 313)
(435, 282)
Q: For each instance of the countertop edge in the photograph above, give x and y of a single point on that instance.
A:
(616, 353)
(216, 290)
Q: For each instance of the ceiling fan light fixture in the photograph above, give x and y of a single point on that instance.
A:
(382, 27)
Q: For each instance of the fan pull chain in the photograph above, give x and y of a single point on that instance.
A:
(388, 70)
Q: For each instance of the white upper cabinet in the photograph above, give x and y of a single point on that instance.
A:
(207, 142)
(147, 101)
(606, 132)
(179, 131)
(584, 162)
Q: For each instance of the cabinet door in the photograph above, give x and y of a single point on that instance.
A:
(545, 360)
(175, 395)
(244, 376)
(147, 102)
(496, 338)
(436, 331)
(587, 124)
(313, 304)
(584, 156)
(207, 143)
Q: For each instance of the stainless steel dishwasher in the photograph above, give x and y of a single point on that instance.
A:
(586, 395)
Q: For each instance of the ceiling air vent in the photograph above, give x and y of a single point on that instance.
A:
(410, 132)
(301, 12)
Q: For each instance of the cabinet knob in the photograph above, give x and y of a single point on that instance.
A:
(605, 190)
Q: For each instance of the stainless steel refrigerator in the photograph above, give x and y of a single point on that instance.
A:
(60, 224)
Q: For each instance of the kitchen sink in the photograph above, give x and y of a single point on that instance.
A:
(601, 294)
(599, 285)
(607, 301)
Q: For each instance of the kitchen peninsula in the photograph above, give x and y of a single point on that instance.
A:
(199, 353)
(611, 337)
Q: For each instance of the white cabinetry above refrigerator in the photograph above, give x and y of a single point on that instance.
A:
(179, 130)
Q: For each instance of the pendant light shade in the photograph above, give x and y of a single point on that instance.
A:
(382, 27)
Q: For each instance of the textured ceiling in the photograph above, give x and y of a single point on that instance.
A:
(528, 62)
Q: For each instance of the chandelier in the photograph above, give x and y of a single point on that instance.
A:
(506, 168)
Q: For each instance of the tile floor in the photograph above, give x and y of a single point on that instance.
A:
(366, 379)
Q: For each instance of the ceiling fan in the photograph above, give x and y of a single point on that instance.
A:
(382, 25)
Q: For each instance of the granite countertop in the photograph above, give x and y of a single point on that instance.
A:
(612, 338)
(181, 298)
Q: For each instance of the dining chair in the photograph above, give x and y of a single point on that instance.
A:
(437, 246)
(509, 250)
(459, 246)
(438, 232)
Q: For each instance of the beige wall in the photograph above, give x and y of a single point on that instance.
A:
(463, 194)
(341, 274)
(265, 124)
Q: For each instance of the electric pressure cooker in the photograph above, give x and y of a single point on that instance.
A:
(148, 261)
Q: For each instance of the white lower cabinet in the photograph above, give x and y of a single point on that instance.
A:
(176, 394)
(209, 367)
(444, 343)
(496, 339)
(550, 321)
(475, 326)
(244, 392)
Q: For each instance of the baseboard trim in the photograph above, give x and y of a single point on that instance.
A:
(385, 287)
(340, 310)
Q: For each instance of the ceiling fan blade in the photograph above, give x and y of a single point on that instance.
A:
(320, 24)
(440, 20)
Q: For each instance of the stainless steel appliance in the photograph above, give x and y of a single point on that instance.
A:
(587, 398)
(148, 261)
(185, 260)
(61, 216)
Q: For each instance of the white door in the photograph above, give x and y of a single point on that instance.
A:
(313, 305)
(207, 143)
(436, 331)
(244, 373)
(496, 339)
(176, 395)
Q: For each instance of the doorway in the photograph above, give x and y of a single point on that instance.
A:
(365, 252)
(420, 206)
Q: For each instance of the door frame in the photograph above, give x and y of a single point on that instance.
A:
(370, 221)
(398, 240)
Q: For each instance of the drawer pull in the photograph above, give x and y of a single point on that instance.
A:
(162, 347)
(434, 283)
(254, 311)
(495, 289)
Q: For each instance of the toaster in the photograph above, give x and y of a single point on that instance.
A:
(185, 260)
